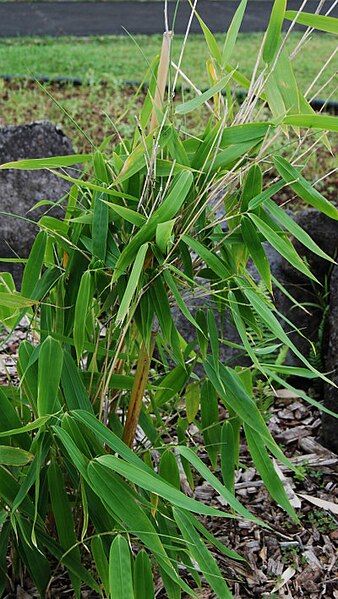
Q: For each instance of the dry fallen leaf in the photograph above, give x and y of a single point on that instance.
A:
(292, 497)
(284, 578)
(322, 503)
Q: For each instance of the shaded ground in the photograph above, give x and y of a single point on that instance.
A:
(107, 18)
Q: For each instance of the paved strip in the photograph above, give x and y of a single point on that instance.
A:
(110, 18)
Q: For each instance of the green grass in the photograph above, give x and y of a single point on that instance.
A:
(118, 58)
(115, 59)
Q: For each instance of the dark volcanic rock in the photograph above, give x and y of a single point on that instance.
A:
(329, 423)
(20, 190)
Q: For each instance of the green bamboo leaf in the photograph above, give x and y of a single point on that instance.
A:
(100, 168)
(312, 121)
(256, 250)
(166, 211)
(74, 391)
(266, 194)
(226, 158)
(267, 471)
(179, 300)
(154, 484)
(31, 426)
(240, 326)
(63, 518)
(132, 284)
(271, 372)
(49, 375)
(210, 421)
(282, 246)
(262, 309)
(15, 300)
(204, 471)
(252, 186)
(143, 578)
(293, 227)
(321, 22)
(8, 316)
(210, 40)
(168, 469)
(14, 456)
(131, 216)
(101, 562)
(231, 36)
(100, 227)
(120, 573)
(164, 235)
(34, 264)
(42, 163)
(272, 37)
(228, 458)
(231, 390)
(82, 306)
(121, 502)
(202, 555)
(216, 265)
(198, 101)
(192, 400)
(170, 385)
(303, 188)
(286, 81)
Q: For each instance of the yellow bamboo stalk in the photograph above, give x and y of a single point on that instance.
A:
(137, 392)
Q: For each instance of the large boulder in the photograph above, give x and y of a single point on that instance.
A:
(20, 190)
(312, 296)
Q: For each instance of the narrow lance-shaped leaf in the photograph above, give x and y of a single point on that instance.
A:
(49, 375)
(14, 456)
(264, 312)
(268, 473)
(133, 281)
(82, 305)
(303, 188)
(321, 22)
(272, 39)
(42, 163)
(155, 484)
(195, 103)
(63, 517)
(293, 227)
(101, 562)
(143, 578)
(33, 267)
(313, 121)
(228, 456)
(231, 36)
(166, 211)
(256, 250)
(202, 555)
(100, 227)
(252, 186)
(210, 40)
(282, 246)
(120, 574)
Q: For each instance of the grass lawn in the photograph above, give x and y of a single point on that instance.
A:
(119, 58)
(116, 60)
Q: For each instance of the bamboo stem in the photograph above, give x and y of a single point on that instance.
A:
(137, 393)
(162, 76)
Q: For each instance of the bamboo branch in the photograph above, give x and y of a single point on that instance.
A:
(162, 76)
